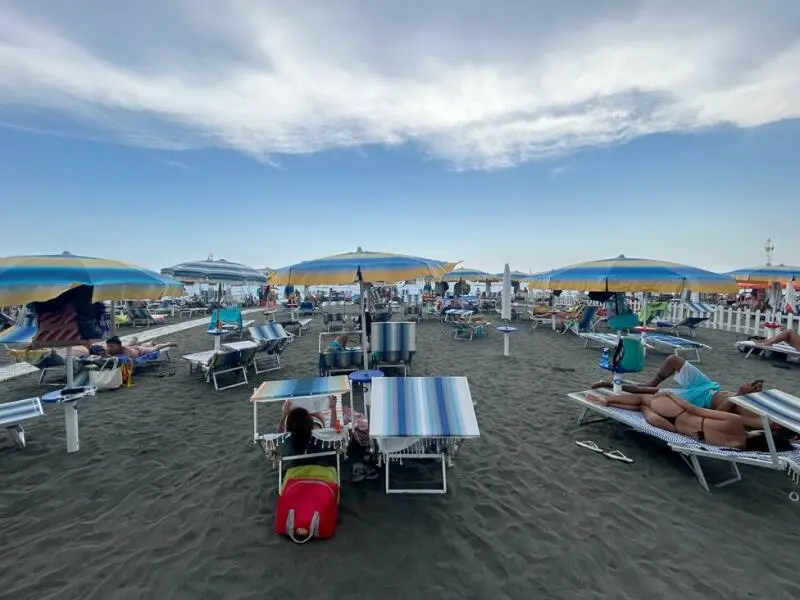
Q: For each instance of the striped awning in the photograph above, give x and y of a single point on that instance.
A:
(26, 279)
(288, 389)
(422, 407)
(215, 271)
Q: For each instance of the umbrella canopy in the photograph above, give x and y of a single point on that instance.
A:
(25, 279)
(515, 276)
(766, 274)
(215, 271)
(623, 274)
(465, 274)
(505, 309)
(351, 267)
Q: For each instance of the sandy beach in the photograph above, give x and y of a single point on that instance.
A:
(169, 498)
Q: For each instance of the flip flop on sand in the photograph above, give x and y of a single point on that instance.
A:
(590, 445)
(617, 455)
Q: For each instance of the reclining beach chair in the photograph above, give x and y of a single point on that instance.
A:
(412, 309)
(697, 314)
(596, 339)
(47, 360)
(750, 346)
(229, 319)
(583, 321)
(340, 360)
(214, 363)
(272, 340)
(334, 321)
(394, 344)
(306, 308)
(773, 405)
(419, 418)
(468, 330)
(141, 316)
(14, 414)
(311, 393)
(290, 318)
(673, 343)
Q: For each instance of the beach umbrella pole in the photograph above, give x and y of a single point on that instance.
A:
(70, 412)
(364, 338)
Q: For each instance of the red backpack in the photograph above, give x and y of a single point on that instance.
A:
(308, 505)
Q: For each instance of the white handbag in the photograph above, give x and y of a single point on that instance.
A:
(106, 379)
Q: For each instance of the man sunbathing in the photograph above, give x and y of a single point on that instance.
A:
(114, 347)
(695, 389)
(789, 336)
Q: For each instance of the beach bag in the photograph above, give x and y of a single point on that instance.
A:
(308, 505)
(105, 379)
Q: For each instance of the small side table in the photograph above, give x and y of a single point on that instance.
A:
(218, 334)
(365, 378)
(506, 331)
(69, 397)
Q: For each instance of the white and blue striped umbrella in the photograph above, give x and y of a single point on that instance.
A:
(215, 271)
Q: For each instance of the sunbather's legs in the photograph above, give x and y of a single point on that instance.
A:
(626, 401)
(787, 335)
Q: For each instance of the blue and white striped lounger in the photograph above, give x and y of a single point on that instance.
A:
(393, 344)
(13, 414)
(603, 340)
(698, 314)
(690, 449)
(673, 343)
(748, 346)
(421, 418)
(311, 393)
(272, 339)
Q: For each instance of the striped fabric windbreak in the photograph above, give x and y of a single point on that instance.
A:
(394, 341)
(422, 407)
(274, 391)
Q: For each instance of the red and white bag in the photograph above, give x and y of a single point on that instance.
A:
(308, 506)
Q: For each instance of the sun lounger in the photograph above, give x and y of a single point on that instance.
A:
(340, 360)
(421, 418)
(469, 330)
(306, 308)
(272, 340)
(697, 314)
(141, 316)
(214, 363)
(412, 312)
(603, 340)
(690, 449)
(13, 414)
(583, 321)
(291, 318)
(456, 314)
(334, 320)
(311, 393)
(672, 343)
(750, 346)
(394, 344)
(229, 319)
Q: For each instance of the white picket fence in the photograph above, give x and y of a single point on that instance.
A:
(723, 318)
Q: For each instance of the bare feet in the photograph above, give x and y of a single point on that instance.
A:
(596, 399)
(601, 384)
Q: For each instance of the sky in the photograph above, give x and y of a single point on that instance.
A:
(538, 133)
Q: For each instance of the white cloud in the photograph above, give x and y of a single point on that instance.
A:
(480, 85)
(176, 164)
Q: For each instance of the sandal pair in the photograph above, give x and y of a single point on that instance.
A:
(362, 472)
(612, 454)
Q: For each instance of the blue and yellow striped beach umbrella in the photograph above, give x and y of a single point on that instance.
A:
(464, 274)
(352, 267)
(767, 274)
(623, 274)
(25, 279)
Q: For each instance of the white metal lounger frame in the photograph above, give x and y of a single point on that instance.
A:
(656, 341)
(603, 340)
(337, 441)
(199, 363)
(12, 414)
(690, 449)
(417, 448)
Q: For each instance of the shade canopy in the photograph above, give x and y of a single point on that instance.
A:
(25, 279)
(464, 274)
(351, 267)
(624, 274)
(766, 274)
(216, 271)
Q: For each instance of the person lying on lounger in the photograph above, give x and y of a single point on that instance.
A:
(339, 342)
(114, 347)
(667, 410)
(696, 388)
(789, 336)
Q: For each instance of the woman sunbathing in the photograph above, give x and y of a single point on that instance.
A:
(114, 347)
(666, 410)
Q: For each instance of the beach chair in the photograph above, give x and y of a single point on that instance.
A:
(394, 344)
(230, 319)
(47, 360)
(412, 312)
(672, 343)
(750, 346)
(601, 340)
(141, 316)
(420, 418)
(468, 330)
(697, 315)
(334, 321)
(311, 393)
(14, 414)
(772, 405)
(214, 363)
(272, 340)
(290, 318)
(583, 322)
(306, 308)
(339, 360)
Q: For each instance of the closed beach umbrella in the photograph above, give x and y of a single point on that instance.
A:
(624, 274)
(505, 309)
(26, 279)
(360, 267)
(790, 298)
(216, 271)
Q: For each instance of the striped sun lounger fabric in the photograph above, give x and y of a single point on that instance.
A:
(273, 391)
(636, 420)
(422, 407)
(699, 308)
(268, 332)
(778, 406)
(675, 341)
